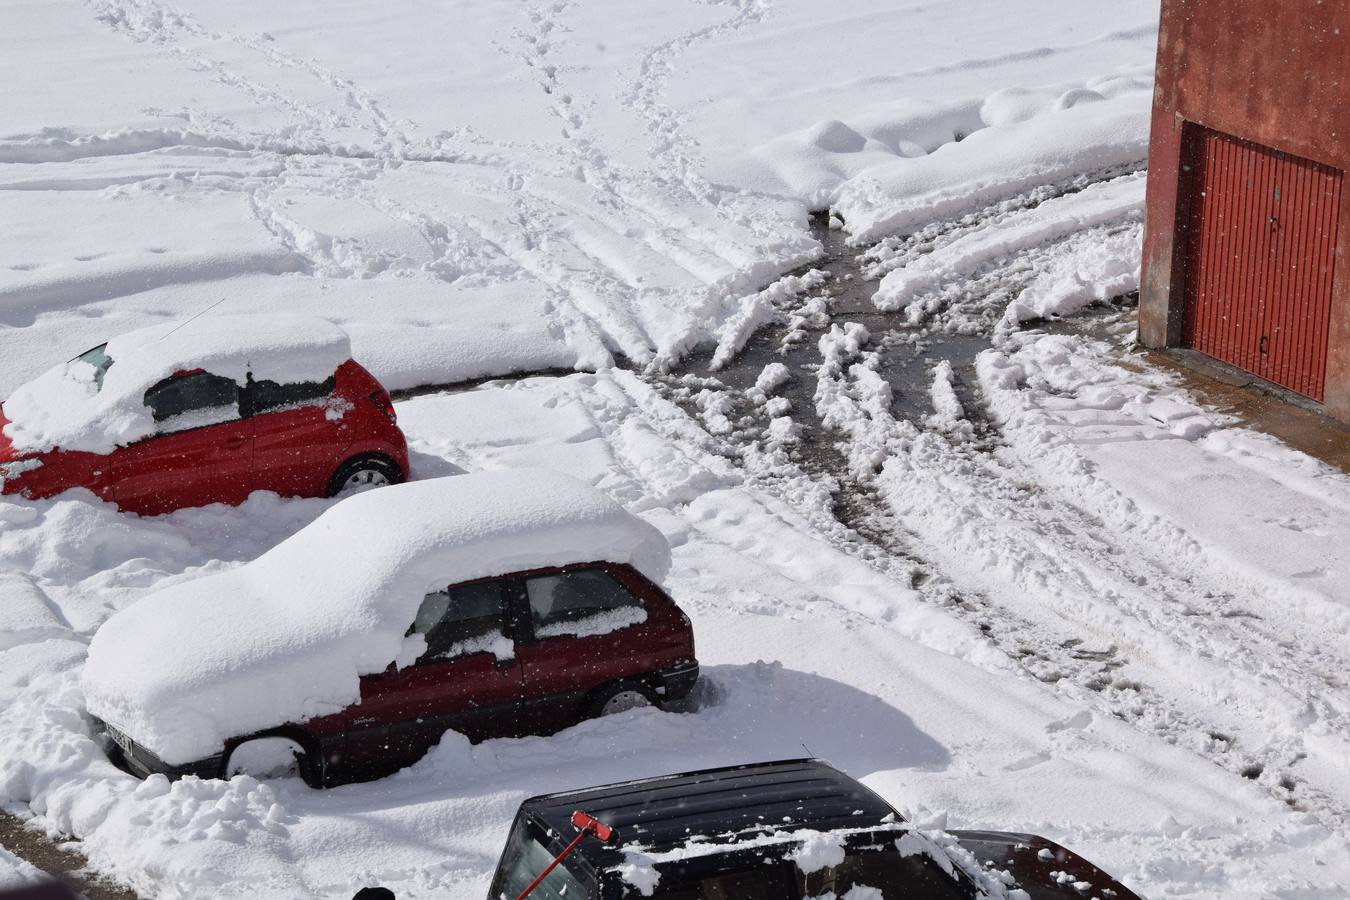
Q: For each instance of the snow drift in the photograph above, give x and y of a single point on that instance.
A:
(287, 636)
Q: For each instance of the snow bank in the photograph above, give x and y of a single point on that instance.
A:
(333, 603)
(67, 407)
(894, 167)
(994, 163)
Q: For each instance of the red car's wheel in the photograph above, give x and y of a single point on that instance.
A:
(362, 472)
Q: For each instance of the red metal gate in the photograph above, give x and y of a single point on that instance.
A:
(1260, 255)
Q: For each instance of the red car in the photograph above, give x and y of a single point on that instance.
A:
(204, 412)
(363, 642)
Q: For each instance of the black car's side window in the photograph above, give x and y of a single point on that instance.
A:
(192, 401)
(581, 602)
(270, 396)
(461, 620)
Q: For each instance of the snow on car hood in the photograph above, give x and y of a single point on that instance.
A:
(65, 406)
(287, 637)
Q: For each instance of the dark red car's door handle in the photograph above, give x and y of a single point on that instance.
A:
(235, 443)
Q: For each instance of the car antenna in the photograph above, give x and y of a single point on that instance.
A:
(192, 319)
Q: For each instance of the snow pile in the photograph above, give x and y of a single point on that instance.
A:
(27, 614)
(67, 407)
(817, 160)
(997, 162)
(334, 602)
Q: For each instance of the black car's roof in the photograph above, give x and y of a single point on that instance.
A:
(663, 813)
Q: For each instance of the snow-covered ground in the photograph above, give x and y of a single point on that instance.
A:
(1099, 612)
(475, 187)
(15, 872)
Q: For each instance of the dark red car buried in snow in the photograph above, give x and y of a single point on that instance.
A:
(492, 604)
(207, 411)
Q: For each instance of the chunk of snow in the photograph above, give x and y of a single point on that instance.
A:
(333, 603)
(773, 376)
(66, 406)
(819, 850)
(642, 876)
(948, 416)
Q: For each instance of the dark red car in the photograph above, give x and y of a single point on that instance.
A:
(529, 651)
(157, 420)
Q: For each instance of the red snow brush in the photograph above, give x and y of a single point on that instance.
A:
(584, 825)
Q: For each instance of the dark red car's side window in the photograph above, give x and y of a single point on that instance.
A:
(468, 618)
(563, 599)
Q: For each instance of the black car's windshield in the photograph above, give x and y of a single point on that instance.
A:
(98, 358)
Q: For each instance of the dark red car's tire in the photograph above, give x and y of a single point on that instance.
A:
(307, 763)
(620, 696)
(366, 470)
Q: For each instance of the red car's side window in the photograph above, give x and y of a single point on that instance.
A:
(270, 396)
(192, 401)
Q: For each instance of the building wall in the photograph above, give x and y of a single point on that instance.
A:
(1272, 71)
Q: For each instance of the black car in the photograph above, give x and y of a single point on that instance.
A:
(773, 831)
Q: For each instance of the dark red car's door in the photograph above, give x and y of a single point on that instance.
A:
(201, 452)
(300, 433)
(468, 680)
(586, 630)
